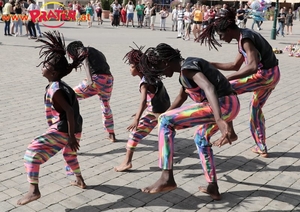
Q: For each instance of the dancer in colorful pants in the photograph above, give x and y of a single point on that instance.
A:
(63, 117)
(154, 98)
(260, 75)
(215, 105)
(99, 82)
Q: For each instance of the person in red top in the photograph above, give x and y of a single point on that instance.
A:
(123, 15)
(1, 6)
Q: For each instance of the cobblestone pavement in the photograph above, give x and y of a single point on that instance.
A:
(247, 182)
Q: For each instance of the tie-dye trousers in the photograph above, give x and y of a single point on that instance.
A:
(190, 116)
(261, 84)
(44, 147)
(102, 86)
(144, 128)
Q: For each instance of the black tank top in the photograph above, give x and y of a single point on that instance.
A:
(219, 81)
(18, 11)
(97, 62)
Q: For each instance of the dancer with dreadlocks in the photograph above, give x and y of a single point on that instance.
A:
(154, 98)
(62, 113)
(215, 105)
(260, 75)
(99, 82)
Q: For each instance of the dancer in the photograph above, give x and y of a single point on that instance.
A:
(63, 117)
(260, 75)
(215, 105)
(154, 98)
(99, 82)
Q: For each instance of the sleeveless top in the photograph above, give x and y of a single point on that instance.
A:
(266, 55)
(53, 116)
(219, 81)
(97, 62)
(159, 101)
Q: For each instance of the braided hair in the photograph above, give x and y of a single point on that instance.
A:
(220, 25)
(54, 52)
(153, 59)
(134, 56)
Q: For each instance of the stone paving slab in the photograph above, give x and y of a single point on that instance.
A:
(247, 182)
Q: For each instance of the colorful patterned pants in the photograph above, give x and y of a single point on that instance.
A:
(102, 86)
(44, 147)
(190, 116)
(261, 84)
(146, 125)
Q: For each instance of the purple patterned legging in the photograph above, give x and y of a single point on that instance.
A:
(261, 84)
(190, 116)
(102, 86)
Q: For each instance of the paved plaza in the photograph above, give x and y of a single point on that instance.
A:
(247, 182)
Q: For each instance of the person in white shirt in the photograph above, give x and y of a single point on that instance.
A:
(147, 13)
(187, 21)
(31, 25)
(130, 12)
(174, 18)
(180, 14)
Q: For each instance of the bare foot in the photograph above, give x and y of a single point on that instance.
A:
(123, 167)
(79, 182)
(32, 195)
(165, 183)
(212, 189)
(219, 143)
(112, 137)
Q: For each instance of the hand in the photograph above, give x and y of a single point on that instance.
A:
(73, 144)
(133, 126)
(223, 127)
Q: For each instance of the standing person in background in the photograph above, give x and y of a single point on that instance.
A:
(140, 14)
(90, 13)
(174, 18)
(31, 22)
(240, 14)
(147, 15)
(197, 21)
(187, 22)
(289, 22)
(180, 16)
(99, 13)
(116, 7)
(7, 10)
(281, 22)
(130, 13)
(246, 8)
(153, 16)
(123, 15)
(163, 16)
(18, 23)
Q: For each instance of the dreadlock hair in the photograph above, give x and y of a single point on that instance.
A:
(154, 58)
(54, 52)
(72, 48)
(220, 25)
(134, 56)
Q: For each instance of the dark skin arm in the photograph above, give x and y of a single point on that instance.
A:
(212, 98)
(61, 105)
(142, 107)
(252, 61)
(179, 100)
(232, 66)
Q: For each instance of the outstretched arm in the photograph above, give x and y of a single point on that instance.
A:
(179, 100)
(61, 105)
(142, 107)
(232, 66)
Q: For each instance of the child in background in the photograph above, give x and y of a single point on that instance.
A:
(63, 117)
(154, 98)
